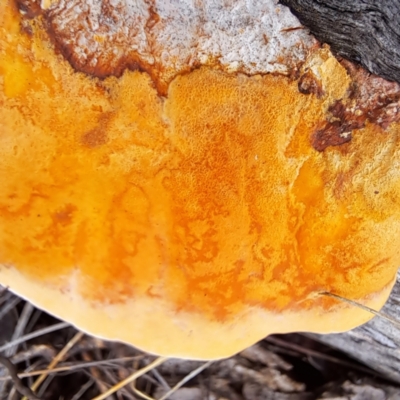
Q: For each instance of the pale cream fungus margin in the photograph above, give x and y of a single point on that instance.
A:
(192, 211)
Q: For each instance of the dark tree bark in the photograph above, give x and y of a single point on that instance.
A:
(363, 31)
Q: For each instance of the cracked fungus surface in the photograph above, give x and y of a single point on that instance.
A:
(200, 221)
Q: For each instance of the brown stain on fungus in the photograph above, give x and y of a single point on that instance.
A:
(64, 215)
(333, 134)
(309, 84)
(153, 19)
(29, 8)
(95, 137)
(370, 98)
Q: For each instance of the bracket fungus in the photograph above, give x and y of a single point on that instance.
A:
(189, 177)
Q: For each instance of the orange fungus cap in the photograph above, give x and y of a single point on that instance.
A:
(192, 200)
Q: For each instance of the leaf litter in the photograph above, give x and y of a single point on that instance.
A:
(43, 358)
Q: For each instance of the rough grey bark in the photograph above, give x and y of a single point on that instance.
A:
(377, 343)
(364, 31)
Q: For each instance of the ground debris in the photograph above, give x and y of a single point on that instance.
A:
(269, 377)
(253, 391)
(258, 353)
(283, 367)
(193, 393)
(361, 389)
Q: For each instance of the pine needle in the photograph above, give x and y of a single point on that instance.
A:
(158, 361)
(75, 367)
(141, 394)
(363, 307)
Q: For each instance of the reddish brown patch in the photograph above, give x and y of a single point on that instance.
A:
(29, 8)
(309, 84)
(63, 217)
(296, 28)
(333, 134)
(154, 18)
(97, 136)
(371, 98)
(94, 138)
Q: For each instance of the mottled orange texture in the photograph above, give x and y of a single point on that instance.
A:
(210, 202)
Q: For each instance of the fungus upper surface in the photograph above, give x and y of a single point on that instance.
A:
(193, 223)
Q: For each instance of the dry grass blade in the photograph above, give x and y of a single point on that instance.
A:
(69, 368)
(59, 357)
(363, 307)
(33, 335)
(158, 361)
(10, 304)
(83, 389)
(141, 394)
(133, 384)
(95, 373)
(187, 378)
(160, 379)
(23, 321)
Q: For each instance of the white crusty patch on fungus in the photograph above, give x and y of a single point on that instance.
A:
(167, 37)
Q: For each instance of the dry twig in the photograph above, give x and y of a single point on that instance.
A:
(22, 389)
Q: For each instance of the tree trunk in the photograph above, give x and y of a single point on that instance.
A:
(363, 31)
